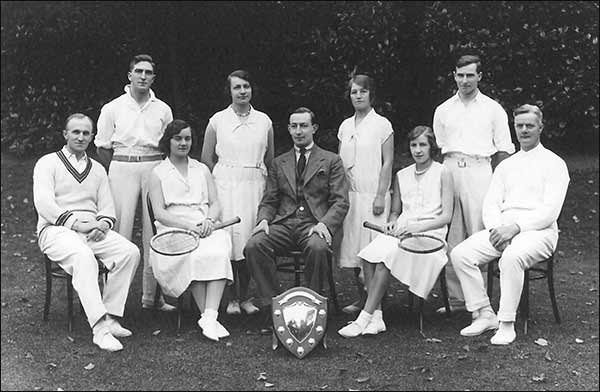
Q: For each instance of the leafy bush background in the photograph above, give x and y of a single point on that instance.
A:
(65, 57)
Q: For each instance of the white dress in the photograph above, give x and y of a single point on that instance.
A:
(421, 200)
(361, 153)
(188, 198)
(240, 173)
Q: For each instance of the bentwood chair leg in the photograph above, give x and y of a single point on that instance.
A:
(444, 286)
(421, 302)
(332, 292)
(525, 302)
(48, 291)
(490, 280)
(70, 303)
(550, 275)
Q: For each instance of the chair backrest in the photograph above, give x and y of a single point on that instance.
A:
(150, 213)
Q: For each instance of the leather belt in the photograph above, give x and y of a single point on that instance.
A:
(137, 158)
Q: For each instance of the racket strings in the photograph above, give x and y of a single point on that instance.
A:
(174, 242)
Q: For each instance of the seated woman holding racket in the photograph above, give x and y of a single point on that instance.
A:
(422, 204)
(184, 196)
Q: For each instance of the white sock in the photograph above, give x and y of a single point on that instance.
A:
(507, 326)
(378, 314)
(363, 319)
(210, 314)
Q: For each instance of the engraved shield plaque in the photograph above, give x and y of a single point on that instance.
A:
(299, 320)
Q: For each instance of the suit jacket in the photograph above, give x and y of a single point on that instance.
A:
(325, 189)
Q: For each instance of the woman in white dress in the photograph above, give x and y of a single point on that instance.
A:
(422, 203)
(238, 147)
(367, 152)
(184, 195)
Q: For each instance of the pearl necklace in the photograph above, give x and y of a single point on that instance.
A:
(419, 172)
(246, 114)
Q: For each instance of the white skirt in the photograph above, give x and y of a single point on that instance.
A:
(210, 261)
(418, 271)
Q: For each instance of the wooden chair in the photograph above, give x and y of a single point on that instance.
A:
(158, 290)
(544, 269)
(54, 271)
(444, 289)
(296, 267)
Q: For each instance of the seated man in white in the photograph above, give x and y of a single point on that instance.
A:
(75, 218)
(520, 210)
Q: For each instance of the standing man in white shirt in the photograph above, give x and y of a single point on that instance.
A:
(520, 211)
(75, 217)
(472, 132)
(129, 128)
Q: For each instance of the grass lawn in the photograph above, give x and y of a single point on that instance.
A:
(38, 355)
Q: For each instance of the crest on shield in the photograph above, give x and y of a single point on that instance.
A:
(299, 320)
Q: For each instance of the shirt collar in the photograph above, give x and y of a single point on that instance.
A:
(70, 155)
(127, 89)
(307, 148)
(457, 97)
(534, 151)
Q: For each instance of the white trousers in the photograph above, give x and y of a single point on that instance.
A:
(525, 250)
(77, 256)
(129, 182)
(472, 178)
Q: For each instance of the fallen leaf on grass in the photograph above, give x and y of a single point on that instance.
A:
(228, 344)
(89, 366)
(575, 372)
(28, 356)
(577, 340)
(466, 348)
(461, 357)
(52, 366)
(324, 387)
(362, 379)
(541, 342)
(433, 340)
(589, 303)
(59, 389)
(155, 333)
(540, 378)
(262, 376)
(70, 339)
(268, 385)
(547, 357)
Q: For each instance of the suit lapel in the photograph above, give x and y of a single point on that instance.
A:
(313, 164)
(288, 165)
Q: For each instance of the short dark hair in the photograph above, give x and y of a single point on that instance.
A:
(302, 109)
(428, 132)
(364, 81)
(79, 116)
(467, 59)
(138, 58)
(239, 73)
(174, 127)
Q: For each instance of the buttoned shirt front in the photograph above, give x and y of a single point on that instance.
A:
(131, 129)
(478, 128)
(528, 188)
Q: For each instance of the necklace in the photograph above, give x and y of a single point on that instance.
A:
(420, 172)
(246, 114)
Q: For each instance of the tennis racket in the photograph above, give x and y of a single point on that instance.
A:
(180, 241)
(415, 243)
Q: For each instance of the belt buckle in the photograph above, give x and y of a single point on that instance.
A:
(138, 158)
(462, 163)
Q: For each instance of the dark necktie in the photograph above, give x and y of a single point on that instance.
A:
(301, 163)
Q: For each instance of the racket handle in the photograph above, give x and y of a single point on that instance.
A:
(373, 226)
(226, 223)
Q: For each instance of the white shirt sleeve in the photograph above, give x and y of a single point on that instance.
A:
(105, 128)
(438, 129)
(502, 139)
(556, 183)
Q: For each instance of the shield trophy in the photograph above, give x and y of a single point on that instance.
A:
(299, 320)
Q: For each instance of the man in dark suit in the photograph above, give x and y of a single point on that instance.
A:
(304, 205)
